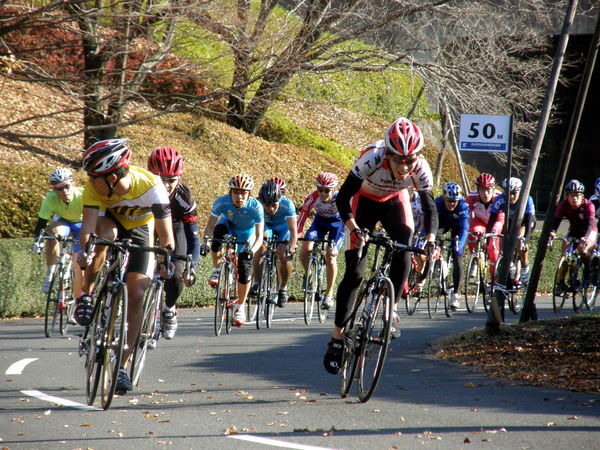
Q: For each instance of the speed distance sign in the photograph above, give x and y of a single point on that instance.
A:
(484, 133)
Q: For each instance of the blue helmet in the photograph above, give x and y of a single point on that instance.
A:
(451, 191)
(597, 187)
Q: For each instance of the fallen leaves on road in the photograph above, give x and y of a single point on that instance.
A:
(562, 353)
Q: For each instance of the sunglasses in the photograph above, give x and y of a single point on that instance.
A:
(169, 179)
(450, 200)
(324, 190)
(408, 160)
(66, 187)
(240, 191)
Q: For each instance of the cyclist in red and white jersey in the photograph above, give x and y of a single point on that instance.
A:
(376, 190)
(327, 223)
(480, 202)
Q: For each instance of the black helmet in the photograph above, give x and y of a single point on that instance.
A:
(269, 193)
(574, 186)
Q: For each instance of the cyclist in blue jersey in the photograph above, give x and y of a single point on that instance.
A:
(237, 214)
(280, 223)
(512, 188)
(453, 215)
(327, 223)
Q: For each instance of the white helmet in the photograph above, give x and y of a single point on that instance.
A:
(60, 177)
(515, 184)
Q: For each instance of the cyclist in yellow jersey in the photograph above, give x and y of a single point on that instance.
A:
(61, 208)
(135, 202)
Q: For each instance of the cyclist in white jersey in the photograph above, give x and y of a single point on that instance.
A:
(376, 190)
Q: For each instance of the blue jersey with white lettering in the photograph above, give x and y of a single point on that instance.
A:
(500, 205)
(238, 219)
(456, 221)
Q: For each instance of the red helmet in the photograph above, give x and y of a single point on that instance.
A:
(326, 180)
(485, 180)
(280, 183)
(106, 156)
(166, 162)
(404, 137)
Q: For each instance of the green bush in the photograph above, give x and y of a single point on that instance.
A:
(21, 274)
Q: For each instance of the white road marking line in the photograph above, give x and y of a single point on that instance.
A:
(60, 401)
(274, 442)
(17, 368)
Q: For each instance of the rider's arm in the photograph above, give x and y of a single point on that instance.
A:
(463, 226)
(210, 226)
(430, 215)
(164, 229)
(293, 227)
(350, 187)
(259, 233)
(305, 210)
(192, 240)
(39, 228)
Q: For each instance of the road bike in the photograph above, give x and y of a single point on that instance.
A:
(104, 338)
(60, 302)
(514, 289)
(152, 326)
(437, 284)
(261, 308)
(368, 334)
(226, 296)
(314, 282)
(477, 278)
(570, 270)
(593, 289)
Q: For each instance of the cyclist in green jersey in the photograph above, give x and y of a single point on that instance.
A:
(59, 215)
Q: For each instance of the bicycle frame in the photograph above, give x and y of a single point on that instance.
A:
(315, 285)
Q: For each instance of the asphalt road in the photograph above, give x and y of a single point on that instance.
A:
(255, 389)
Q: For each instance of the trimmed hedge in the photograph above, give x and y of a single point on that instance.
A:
(21, 275)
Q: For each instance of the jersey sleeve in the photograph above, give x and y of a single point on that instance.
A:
(309, 201)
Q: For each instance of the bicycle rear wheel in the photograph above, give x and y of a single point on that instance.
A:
(433, 288)
(310, 289)
(114, 343)
(558, 301)
(221, 299)
(375, 339)
(473, 283)
(52, 312)
(148, 330)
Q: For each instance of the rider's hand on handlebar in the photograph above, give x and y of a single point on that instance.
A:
(37, 247)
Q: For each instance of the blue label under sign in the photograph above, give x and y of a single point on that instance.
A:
(486, 146)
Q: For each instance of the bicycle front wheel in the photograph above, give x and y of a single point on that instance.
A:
(433, 288)
(310, 289)
(349, 365)
(66, 300)
(321, 284)
(92, 344)
(114, 342)
(221, 299)
(473, 283)
(375, 339)
(413, 297)
(558, 300)
(592, 287)
(52, 311)
(148, 330)
(576, 277)
(445, 283)
(272, 294)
